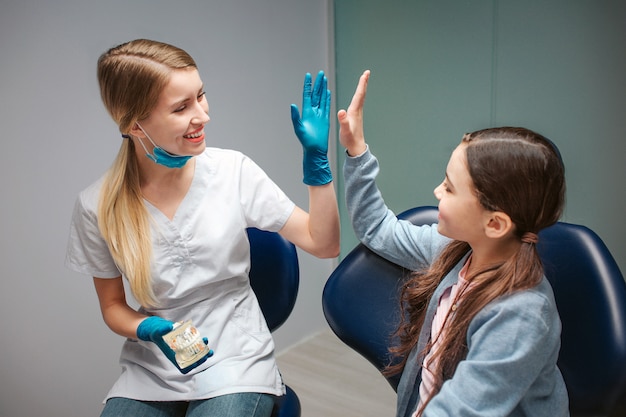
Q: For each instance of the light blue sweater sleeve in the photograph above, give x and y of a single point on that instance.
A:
(412, 247)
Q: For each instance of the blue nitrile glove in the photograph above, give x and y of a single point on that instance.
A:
(153, 328)
(312, 130)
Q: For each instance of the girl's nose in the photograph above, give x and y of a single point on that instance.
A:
(437, 192)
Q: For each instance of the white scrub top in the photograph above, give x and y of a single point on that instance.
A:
(201, 261)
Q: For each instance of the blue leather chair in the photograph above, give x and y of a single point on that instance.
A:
(360, 302)
(275, 278)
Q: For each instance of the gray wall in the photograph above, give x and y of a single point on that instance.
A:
(442, 68)
(58, 357)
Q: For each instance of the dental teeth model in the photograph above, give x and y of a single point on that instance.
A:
(186, 343)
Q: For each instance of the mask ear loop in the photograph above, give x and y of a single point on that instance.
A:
(148, 154)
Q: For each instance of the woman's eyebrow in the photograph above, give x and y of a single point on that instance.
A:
(180, 102)
(186, 99)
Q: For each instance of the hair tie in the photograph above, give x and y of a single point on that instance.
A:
(530, 237)
(125, 136)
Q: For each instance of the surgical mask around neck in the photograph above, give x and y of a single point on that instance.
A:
(161, 156)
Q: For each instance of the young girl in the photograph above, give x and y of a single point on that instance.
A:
(480, 334)
(171, 217)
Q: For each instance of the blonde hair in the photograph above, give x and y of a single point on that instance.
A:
(131, 77)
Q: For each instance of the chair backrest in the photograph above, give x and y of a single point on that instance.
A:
(590, 294)
(274, 275)
(360, 299)
(360, 303)
(275, 279)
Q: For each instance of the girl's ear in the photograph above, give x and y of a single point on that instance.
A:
(499, 225)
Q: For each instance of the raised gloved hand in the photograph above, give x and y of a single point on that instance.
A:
(153, 328)
(312, 129)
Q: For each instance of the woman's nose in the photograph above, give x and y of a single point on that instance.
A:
(202, 114)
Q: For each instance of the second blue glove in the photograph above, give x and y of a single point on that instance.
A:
(152, 329)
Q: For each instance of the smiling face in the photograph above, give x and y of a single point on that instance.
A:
(461, 215)
(176, 123)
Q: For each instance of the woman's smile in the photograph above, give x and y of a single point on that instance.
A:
(195, 137)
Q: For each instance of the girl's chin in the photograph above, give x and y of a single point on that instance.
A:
(442, 231)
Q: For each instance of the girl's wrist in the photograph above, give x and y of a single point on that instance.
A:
(358, 150)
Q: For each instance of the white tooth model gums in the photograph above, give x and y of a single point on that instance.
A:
(186, 343)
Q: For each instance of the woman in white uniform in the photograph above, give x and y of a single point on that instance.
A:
(170, 216)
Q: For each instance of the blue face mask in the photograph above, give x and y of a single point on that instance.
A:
(161, 156)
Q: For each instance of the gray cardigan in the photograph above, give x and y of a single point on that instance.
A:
(513, 343)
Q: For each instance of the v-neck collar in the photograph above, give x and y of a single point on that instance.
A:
(155, 211)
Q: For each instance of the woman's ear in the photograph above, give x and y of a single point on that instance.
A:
(136, 131)
(499, 225)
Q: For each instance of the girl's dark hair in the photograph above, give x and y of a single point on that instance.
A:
(518, 172)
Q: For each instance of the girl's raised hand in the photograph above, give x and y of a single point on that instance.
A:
(351, 121)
